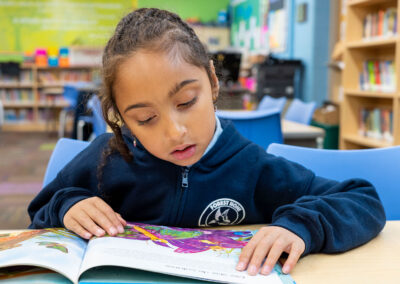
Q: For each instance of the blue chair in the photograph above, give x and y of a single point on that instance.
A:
(66, 149)
(379, 166)
(70, 94)
(262, 126)
(268, 102)
(300, 112)
(96, 119)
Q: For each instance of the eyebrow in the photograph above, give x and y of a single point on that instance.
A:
(175, 89)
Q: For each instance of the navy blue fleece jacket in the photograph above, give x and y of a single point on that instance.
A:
(236, 182)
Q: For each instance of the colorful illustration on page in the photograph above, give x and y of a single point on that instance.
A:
(184, 240)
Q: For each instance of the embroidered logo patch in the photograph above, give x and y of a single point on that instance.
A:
(224, 211)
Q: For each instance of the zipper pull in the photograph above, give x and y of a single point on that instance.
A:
(185, 178)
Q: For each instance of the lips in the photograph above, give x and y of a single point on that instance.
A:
(184, 152)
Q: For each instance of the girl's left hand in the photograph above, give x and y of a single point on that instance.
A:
(270, 242)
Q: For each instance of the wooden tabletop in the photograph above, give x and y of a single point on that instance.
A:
(294, 130)
(378, 261)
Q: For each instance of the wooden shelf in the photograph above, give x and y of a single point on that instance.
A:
(19, 105)
(370, 94)
(16, 86)
(366, 141)
(373, 43)
(374, 104)
(38, 105)
(68, 67)
(24, 126)
(365, 3)
(53, 105)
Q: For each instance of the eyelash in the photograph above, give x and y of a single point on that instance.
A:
(184, 105)
(143, 122)
(189, 103)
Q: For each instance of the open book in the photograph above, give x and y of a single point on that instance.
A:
(156, 254)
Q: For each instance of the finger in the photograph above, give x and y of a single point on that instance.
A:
(122, 220)
(78, 229)
(248, 250)
(293, 258)
(101, 220)
(86, 221)
(112, 223)
(259, 254)
(273, 256)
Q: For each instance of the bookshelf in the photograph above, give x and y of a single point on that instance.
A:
(35, 99)
(372, 63)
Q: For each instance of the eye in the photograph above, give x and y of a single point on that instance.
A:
(188, 104)
(143, 122)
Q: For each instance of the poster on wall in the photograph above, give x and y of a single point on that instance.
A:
(277, 25)
(249, 26)
(28, 24)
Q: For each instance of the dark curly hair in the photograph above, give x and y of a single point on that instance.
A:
(154, 30)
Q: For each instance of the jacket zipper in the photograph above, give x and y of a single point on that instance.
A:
(184, 185)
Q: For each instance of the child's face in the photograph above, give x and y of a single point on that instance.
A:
(167, 103)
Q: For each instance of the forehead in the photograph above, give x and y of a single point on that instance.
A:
(153, 74)
(154, 66)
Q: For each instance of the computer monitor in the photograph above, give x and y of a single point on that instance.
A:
(227, 66)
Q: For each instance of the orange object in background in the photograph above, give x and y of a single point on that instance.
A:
(41, 57)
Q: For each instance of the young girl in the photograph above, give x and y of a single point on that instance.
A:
(171, 161)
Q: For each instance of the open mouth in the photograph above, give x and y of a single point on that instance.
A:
(184, 153)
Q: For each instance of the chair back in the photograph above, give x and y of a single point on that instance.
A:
(268, 102)
(99, 125)
(300, 112)
(263, 127)
(66, 149)
(71, 92)
(379, 166)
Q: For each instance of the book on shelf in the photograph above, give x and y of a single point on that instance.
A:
(378, 75)
(381, 24)
(16, 96)
(12, 116)
(143, 253)
(376, 123)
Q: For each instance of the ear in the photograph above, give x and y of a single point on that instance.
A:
(214, 82)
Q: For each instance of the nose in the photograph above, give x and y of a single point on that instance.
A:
(175, 130)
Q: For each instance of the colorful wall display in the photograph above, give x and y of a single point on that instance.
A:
(29, 24)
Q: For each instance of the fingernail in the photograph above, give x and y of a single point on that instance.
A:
(113, 231)
(121, 229)
(286, 269)
(88, 235)
(99, 232)
(252, 270)
(240, 266)
(266, 270)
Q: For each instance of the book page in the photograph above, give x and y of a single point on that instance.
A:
(56, 249)
(195, 253)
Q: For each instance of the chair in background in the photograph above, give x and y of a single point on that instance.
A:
(72, 95)
(300, 112)
(66, 149)
(379, 166)
(262, 126)
(268, 102)
(96, 119)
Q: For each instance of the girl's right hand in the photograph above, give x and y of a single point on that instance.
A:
(93, 216)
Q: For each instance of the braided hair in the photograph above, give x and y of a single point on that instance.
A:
(148, 29)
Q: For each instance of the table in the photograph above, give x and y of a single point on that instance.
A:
(378, 261)
(302, 135)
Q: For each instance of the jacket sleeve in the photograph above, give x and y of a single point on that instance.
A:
(329, 216)
(75, 182)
